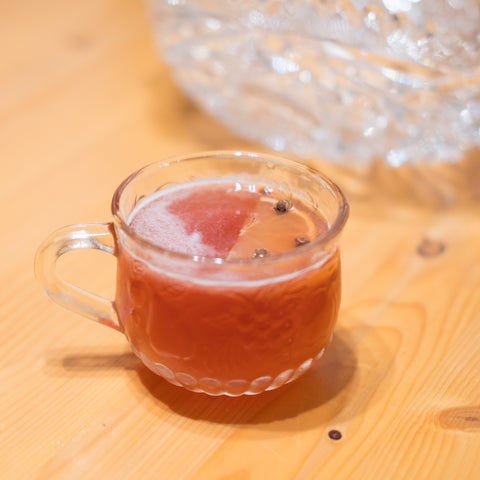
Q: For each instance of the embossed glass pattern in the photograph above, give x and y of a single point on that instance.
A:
(347, 80)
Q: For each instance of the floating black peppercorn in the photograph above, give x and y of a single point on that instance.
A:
(282, 206)
(260, 253)
(299, 241)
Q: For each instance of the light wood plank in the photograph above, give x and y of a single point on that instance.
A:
(85, 100)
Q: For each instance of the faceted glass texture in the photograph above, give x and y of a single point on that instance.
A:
(345, 80)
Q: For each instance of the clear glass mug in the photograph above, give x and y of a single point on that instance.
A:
(216, 326)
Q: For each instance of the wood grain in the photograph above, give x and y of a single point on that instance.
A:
(84, 101)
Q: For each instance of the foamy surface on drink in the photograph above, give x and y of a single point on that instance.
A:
(153, 221)
(224, 220)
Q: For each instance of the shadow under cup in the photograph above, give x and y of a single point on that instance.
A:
(229, 326)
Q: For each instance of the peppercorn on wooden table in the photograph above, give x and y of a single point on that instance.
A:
(85, 99)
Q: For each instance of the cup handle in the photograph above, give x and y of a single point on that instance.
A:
(99, 236)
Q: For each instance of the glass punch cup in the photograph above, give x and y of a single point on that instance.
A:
(228, 269)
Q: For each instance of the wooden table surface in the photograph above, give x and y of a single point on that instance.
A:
(85, 99)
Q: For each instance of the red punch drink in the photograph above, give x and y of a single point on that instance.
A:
(257, 302)
(228, 269)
